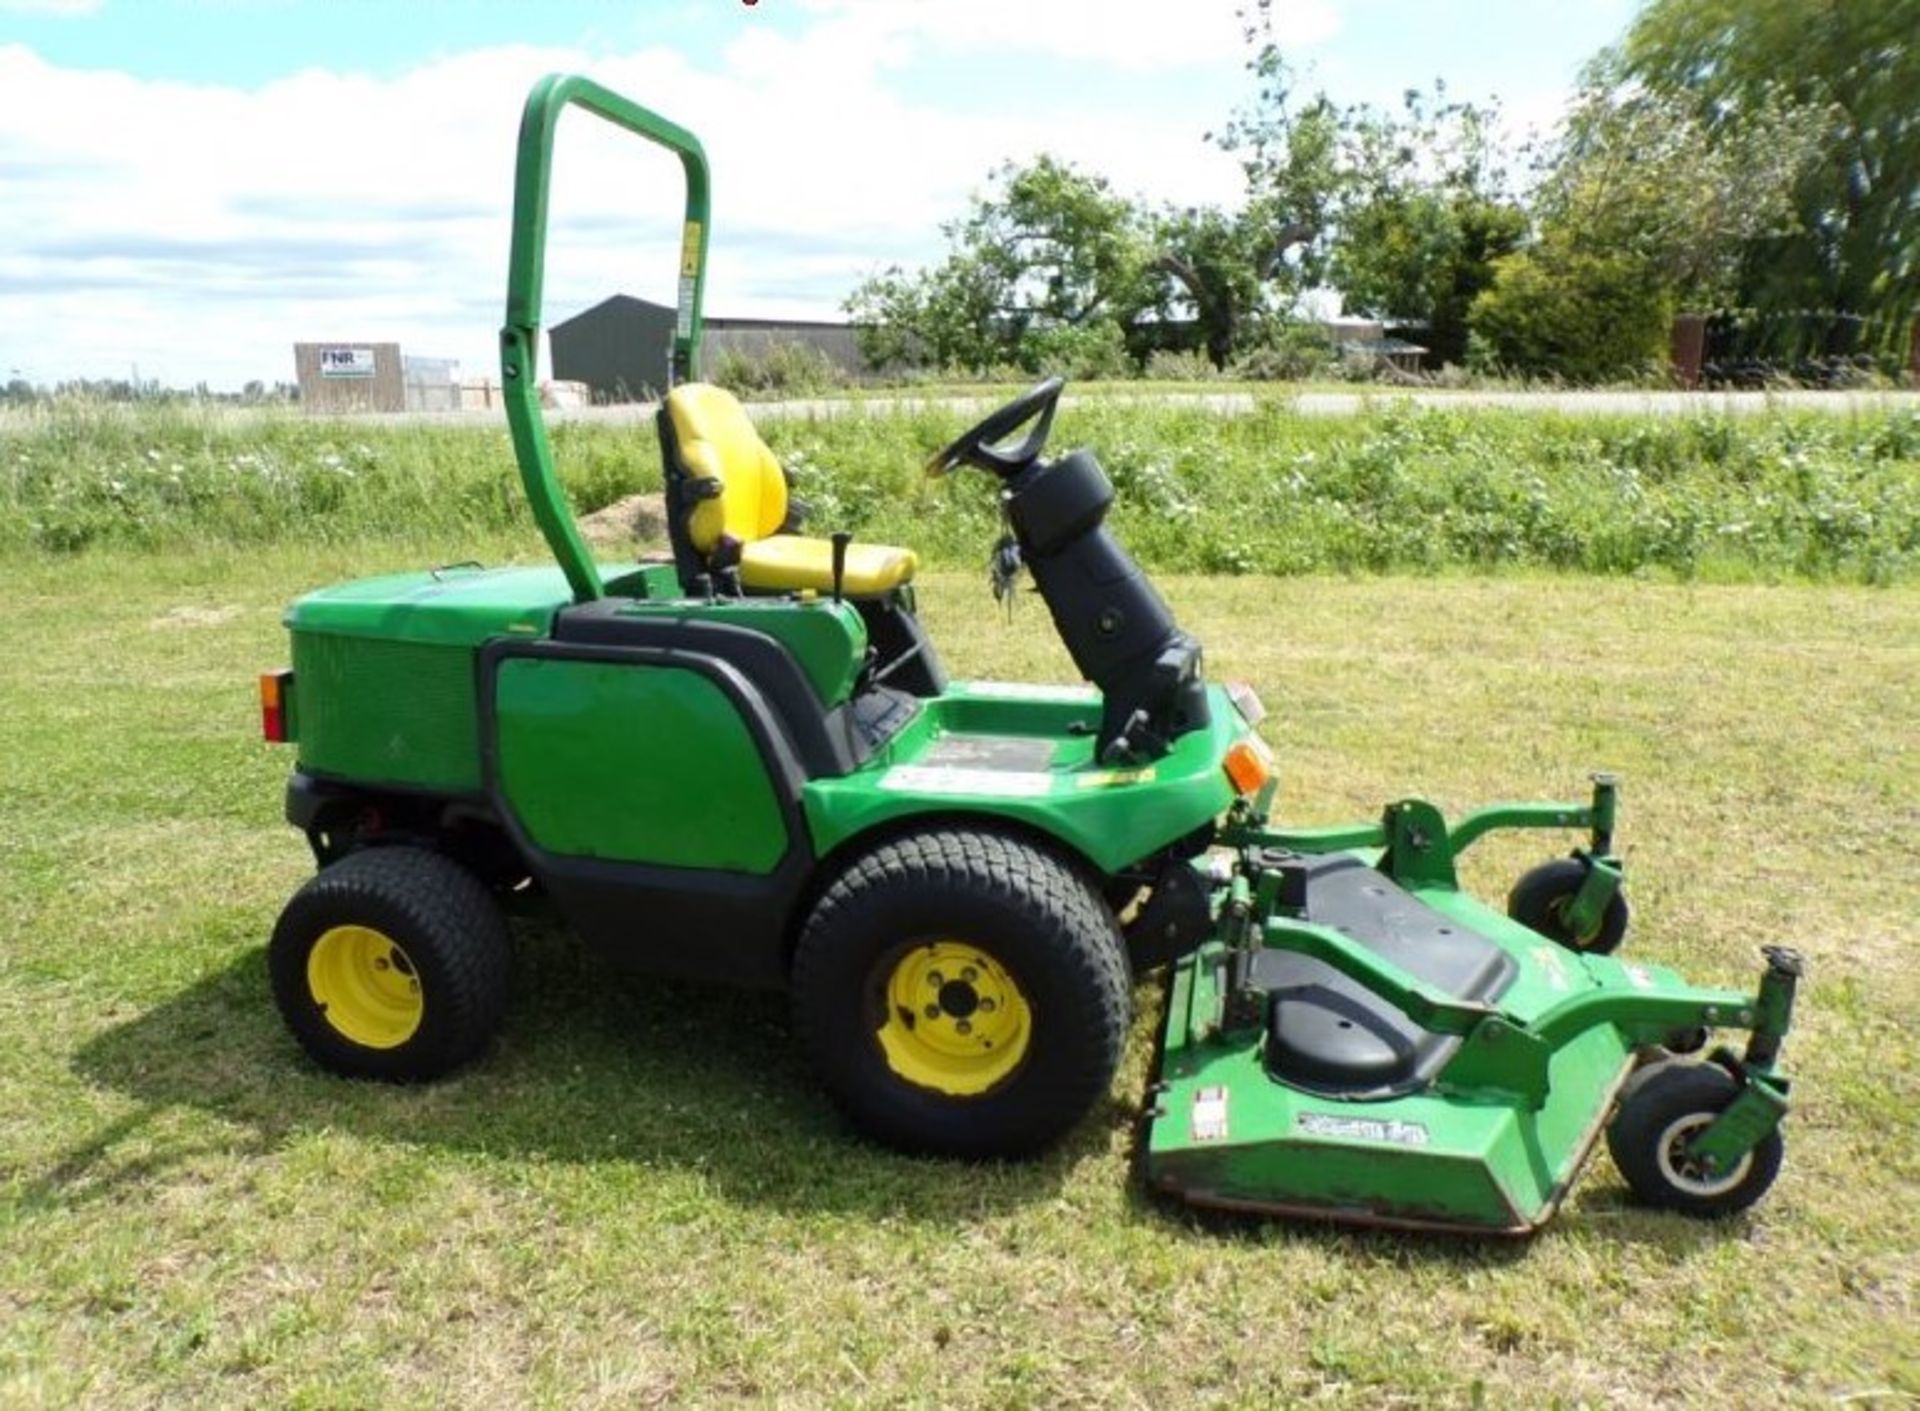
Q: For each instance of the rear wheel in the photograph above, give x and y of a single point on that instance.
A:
(392, 963)
(962, 993)
(1664, 1107)
(1542, 901)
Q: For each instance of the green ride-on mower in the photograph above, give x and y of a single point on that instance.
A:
(750, 765)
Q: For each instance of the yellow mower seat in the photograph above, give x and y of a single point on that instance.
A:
(715, 442)
(787, 561)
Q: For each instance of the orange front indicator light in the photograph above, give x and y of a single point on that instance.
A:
(1249, 766)
(273, 706)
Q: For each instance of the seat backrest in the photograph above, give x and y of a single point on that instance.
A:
(713, 440)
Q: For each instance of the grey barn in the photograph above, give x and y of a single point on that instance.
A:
(619, 347)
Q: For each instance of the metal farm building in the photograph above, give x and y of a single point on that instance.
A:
(620, 346)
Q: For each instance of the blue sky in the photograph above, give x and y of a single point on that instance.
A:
(194, 186)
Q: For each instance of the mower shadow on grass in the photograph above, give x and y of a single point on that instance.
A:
(592, 1069)
(595, 1069)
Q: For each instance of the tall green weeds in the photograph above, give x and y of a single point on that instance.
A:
(1394, 489)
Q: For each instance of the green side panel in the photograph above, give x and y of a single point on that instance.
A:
(386, 712)
(954, 759)
(648, 764)
(384, 669)
(1227, 1133)
(828, 639)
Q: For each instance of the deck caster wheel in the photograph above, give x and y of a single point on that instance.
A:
(1543, 897)
(1667, 1105)
(962, 993)
(391, 963)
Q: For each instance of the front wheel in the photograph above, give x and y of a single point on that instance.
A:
(1662, 1109)
(962, 993)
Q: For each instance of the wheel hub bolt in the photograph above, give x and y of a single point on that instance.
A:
(936, 979)
(933, 1011)
(987, 1006)
(963, 1026)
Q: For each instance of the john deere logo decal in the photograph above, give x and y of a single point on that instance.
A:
(1362, 1129)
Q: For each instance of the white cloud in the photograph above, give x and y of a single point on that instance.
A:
(60, 9)
(200, 230)
(1131, 34)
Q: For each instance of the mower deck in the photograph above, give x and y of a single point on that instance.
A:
(1293, 1081)
(1230, 1132)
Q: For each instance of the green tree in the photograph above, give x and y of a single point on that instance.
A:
(946, 316)
(1048, 264)
(1422, 257)
(1237, 274)
(1637, 173)
(1403, 212)
(1292, 151)
(1067, 247)
(1641, 211)
(1423, 214)
(1854, 65)
(1221, 266)
(1568, 311)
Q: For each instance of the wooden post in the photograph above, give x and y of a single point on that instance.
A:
(1688, 348)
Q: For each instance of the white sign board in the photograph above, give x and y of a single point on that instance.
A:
(346, 362)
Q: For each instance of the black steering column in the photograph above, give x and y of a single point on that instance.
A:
(1118, 629)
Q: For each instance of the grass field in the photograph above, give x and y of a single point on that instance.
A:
(637, 1199)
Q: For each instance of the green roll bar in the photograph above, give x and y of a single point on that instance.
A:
(526, 269)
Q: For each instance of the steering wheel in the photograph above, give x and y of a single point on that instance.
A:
(980, 445)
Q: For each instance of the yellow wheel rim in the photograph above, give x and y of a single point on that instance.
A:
(955, 1020)
(366, 986)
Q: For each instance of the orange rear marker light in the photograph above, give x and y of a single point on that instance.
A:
(273, 705)
(1249, 766)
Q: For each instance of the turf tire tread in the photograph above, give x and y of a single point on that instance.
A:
(452, 929)
(1034, 889)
